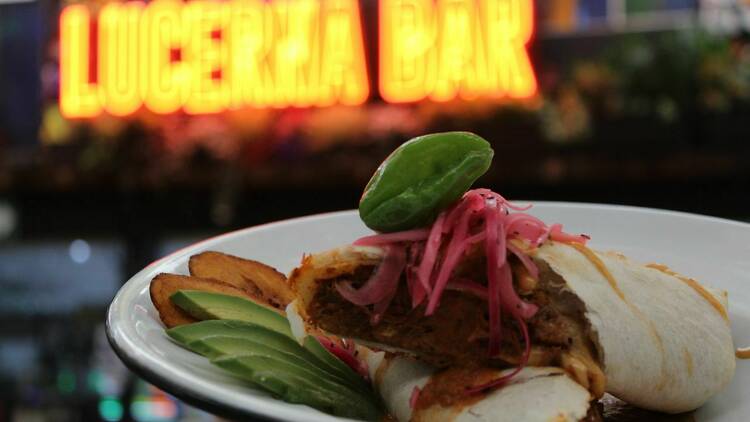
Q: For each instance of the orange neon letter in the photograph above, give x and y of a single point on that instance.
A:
(407, 35)
(295, 52)
(248, 73)
(456, 50)
(343, 71)
(165, 77)
(508, 25)
(118, 57)
(206, 25)
(78, 97)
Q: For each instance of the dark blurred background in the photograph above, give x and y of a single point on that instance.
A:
(638, 102)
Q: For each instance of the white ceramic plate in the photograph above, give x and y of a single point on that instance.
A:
(712, 250)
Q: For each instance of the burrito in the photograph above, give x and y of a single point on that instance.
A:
(649, 336)
(467, 282)
(414, 391)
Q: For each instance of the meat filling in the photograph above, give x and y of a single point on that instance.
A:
(457, 333)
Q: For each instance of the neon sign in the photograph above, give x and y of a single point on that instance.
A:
(451, 48)
(208, 56)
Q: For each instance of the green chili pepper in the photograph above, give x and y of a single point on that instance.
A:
(422, 177)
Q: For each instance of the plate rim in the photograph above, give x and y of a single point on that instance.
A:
(204, 401)
(193, 398)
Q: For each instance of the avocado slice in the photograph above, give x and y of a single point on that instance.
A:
(205, 305)
(208, 305)
(298, 385)
(187, 334)
(217, 346)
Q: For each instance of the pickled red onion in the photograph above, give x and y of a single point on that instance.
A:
(493, 275)
(471, 202)
(453, 253)
(474, 239)
(380, 285)
(525, 260)
(430, 253)
(509, 298)
(382, 239)
(556, 233)
(466, 285)
(525, 226)
(344, 354)
(414, 397)
(505, 378)
(500, 199)
(417, 290)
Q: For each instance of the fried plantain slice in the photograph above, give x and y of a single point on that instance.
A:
(164, 285)
(262, 282)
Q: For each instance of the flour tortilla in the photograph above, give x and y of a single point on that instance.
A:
(319, 268)
(664, 347)
(534, 395)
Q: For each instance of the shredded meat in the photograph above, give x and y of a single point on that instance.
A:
(406, 328)
(455, 335)
(549, 326)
